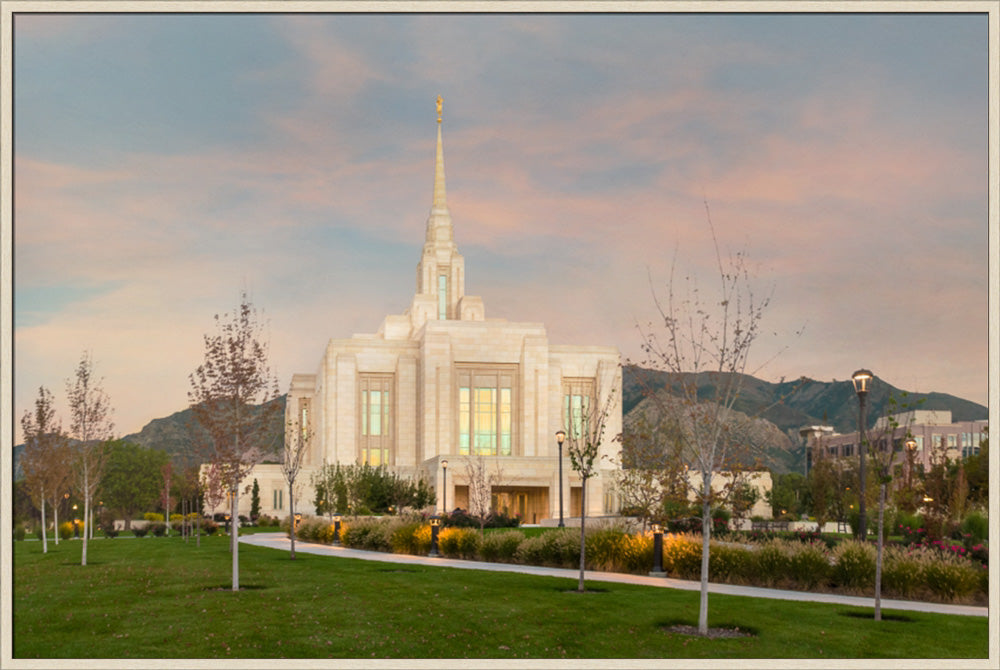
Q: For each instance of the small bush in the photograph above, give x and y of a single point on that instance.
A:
(153, 517)
(19, 533)
(209, 527)
(140, 531)
(65, 530)
(854, 565)
(158, 529)
(501, 547)
(976, 526)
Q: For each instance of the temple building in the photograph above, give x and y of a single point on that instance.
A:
(442, 382)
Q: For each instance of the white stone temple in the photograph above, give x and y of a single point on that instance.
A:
(442, 382)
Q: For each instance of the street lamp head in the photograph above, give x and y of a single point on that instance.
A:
(336, 518)
(862, 380)
(911, 444)
(560, 436)
(656, 528)
(435, 521)
(444, 464)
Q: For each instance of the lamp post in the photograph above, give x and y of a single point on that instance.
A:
(435, 524)
(76, 523)
(444, 488)
(911, 452)
(336, 529)
(560, 437)
(862, 380)
(657, 551)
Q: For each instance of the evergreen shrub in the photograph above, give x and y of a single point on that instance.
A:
(158, 529)
(976, 526)
(771, 562)
(152, 517)
(65, 530)
(139, 531)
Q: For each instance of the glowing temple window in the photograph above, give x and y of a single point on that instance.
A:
(486, 419)
(375, 408)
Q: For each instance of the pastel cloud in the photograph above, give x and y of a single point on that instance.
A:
(570, 170)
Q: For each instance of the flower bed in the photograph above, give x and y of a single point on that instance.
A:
(938, 572)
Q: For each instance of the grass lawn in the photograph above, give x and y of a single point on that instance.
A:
(162, 597)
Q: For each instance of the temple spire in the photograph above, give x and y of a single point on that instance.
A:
(440, 197)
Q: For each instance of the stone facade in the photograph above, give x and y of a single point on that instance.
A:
(443, 382)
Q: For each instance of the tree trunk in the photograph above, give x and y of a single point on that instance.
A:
(706, 536)
(45, 534)
(86, 509)
(234, 536)
(291, 511)
(583, 528)
(55, 522)
(878, 560)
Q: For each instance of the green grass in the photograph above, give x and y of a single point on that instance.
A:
(162, 597)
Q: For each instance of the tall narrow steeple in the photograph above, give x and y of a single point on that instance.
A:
(440, 196)
(441, 271)
(439, 230)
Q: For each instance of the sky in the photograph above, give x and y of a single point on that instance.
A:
(163, 163)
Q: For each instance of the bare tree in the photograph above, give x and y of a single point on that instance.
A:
(651, 471)
(167, 471)
(224, 389)
(704, 346)
(297, 438)
(889, 436)
(584, 437)
(43, 460)
(90, 425)
(482, 481)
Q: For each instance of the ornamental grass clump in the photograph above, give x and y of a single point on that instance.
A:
(557, 548)
(950, 577)
(730, 563)
(501, 547)
(808, 564)
(902, 570)
(771, 562)
(854, 566)
(366, 534)
(682, 555)
(404, 538)
(459, 542)
(608, 549)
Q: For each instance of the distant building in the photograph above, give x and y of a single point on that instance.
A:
(443, 382)
(929, 428)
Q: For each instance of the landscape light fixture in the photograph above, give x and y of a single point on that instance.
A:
(862, 381)
(336, 529)
(560, 437)
(657, 551)
(435, 525)
(444, 488)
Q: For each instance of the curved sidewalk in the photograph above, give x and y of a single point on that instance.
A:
(281, 541)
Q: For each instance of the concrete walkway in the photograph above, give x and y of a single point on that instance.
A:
(281, 541)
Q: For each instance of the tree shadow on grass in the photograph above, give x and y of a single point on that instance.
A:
(719, 632)
(871, 615)
(229, 587)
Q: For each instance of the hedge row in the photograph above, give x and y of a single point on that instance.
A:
(921, 573)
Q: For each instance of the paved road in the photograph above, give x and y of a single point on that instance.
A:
(281, 541)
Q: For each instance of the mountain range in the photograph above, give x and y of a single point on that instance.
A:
(788, 405)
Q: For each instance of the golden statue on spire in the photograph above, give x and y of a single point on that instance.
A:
(439, 101)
